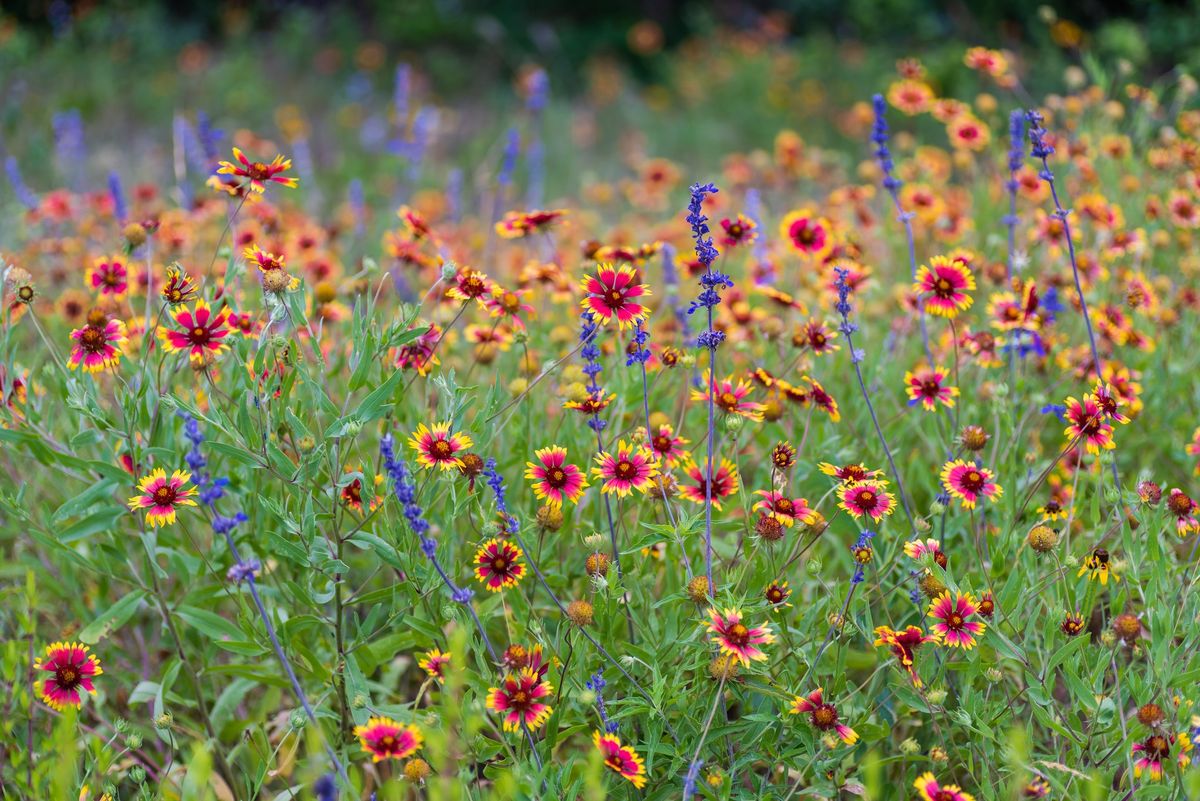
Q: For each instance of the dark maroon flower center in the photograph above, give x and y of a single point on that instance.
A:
(441, 449)
(1157, 748)
(556, 477)
(943, 288)
(955, 621)
(738, 635)
(614, 298)
(67, 677)
(258, 171)
(625, 470)
(824, 716)
(93, 339)
(165, 495)
(972, 480)
(930, 388)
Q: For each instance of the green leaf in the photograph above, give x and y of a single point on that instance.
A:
(114, 617)
(94, 494)
(209, 623)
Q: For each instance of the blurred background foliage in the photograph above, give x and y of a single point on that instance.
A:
(326, 73)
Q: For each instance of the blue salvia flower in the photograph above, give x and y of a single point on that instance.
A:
(496, 482)
(1016, 157)
(539, 91)
(879, 135)
(639, 353)
(536, 164)
(508, 160)
(712, 281)
(864, 541)
(244, 571)
(597, 684)
(454, 184)
(689, 781)
(590, 352)
(358, 206)
(69, 144)
(210, 137)
(765, 273)
(302, 153)
(423, 127)
(118, 196)
(400, 95)
(671, 290)
(26, 196)
(325, 788)
(914, 594)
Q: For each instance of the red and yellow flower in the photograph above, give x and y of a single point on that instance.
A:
(822, 715)
(866, 498)
(612, 293)
(729, 398)
(437, 447)
(498, 565)
(256, 174)
(929, 789)
(96, 346)
(201, 333)
(927, 386)
(807, 233)
(553, 479)
(724, 484)
(161, 496)
(1152, 752)
(520, 700)
(903, 645)
(1087, 424)
(434, 662)
(784, 509)
(954, 626)
(734, 638)
(384, 738)
(71, 669)
(969, 481)
(625, 469)
(109, 276)
(621, 759)
(943, 285)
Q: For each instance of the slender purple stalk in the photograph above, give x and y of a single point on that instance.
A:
(1042, 150)
(712, 282)
(212, 490)
(883, 155)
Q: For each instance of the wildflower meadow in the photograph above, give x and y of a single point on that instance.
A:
(724, 434)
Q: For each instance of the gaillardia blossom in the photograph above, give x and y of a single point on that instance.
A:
(612, 292)
(730, 398)
(621, 759)
(927, 386)
(954, 626)
(434, 663)
(904, 645)
(498, 565)
(553, 479)
(969, 482)
(735, 638)
(1156, 749)
(384, 738)
(930, 790)
(724, 484)
(867, 498)
(96, 346)
(520, 699)
(437, 447)
(71, 669)
(784, 509)
(943, 285)
(822, 715)
(625, 469)
(200, 331)
(161, 496)
(256, 174)
(1087, 424)
(807, 233)
(108, 276)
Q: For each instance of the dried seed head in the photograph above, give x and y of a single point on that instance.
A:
(769, 528)
(1042, 539)
(697, 589)
(973, 438)
(580, 613)
(597, 564)
(550, 517)
(1127, 627)
(416, 770)
(724, 666)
